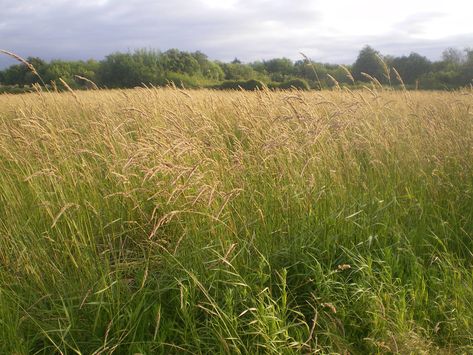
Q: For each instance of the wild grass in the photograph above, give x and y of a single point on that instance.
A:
(169, 221)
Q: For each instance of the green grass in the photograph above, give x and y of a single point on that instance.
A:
(163, 221)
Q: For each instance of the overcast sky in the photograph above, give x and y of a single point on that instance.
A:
(325, 30)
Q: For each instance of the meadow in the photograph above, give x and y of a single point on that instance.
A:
(160, 220)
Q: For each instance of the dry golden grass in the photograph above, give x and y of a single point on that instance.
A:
(158, 220)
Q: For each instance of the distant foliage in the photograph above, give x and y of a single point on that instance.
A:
(129, 70)
(412, 67)
(238, 71)
(195, 70)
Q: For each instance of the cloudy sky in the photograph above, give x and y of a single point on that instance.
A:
(326, 30)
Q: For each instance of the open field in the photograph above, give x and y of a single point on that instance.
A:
(167, 221)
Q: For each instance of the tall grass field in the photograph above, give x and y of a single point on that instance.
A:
(166, 221)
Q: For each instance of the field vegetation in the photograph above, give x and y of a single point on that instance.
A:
(160, 220)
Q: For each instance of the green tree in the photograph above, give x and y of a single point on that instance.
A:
(21, 75)
(453, 57)
(447, 73)
(14, 75)
(207, 68)
(279, 65)
(467, 69)
(259, 67)
(411, 67)
(180, 62)
(238, 71)
(129, 70)
(279, 69)
(68, 70)
(311, 71)
(213, 71)
(40, 65)
(368, 62)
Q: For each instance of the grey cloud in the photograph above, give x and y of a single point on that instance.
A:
(416, 24)
(250, 30)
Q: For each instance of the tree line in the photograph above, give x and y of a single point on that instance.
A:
(195, 69)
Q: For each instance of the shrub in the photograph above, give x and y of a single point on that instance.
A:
(298, 84)
(230, 85)
(14, 90)
(249, 85)
(252, 85)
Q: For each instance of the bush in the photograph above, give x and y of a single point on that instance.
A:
(252, 85)
(14, 90)
(249, 85)
(230, 85)
(298, 84)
